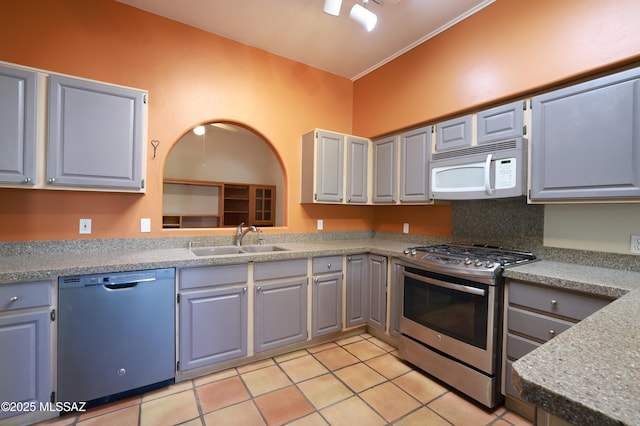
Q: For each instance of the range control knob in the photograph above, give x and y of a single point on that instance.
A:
(467, 261)
(477, 263)
(488, 264)
(414, 252)
(407, 251)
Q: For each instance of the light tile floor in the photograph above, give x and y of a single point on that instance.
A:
(352, 381)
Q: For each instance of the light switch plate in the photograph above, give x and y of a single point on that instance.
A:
(635, 244)
(320, 224)
(145, 224)
(405, 228)
(85, 226)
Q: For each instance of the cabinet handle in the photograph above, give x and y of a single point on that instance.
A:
(315, 280)
(348, 258)
(554, 302)
(51, 180)
(244, 289)
(13, 299)
(552, 333)
(258, 288)
(27, 180)
(328, 266)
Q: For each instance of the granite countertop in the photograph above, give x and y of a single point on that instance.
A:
(50, 266)
(586, 375)
(589, 374)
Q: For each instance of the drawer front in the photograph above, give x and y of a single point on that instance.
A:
(517, 346)
(535, 325)
(210, 276)
(568, 304)
(25, 295)
(279, 269)
(327, 264)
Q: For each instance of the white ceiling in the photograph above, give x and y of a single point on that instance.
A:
(300, 30)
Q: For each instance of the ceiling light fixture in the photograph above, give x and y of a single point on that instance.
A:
(332, 7)
(363, 16)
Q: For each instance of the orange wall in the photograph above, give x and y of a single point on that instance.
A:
(507, 49)
(192, 77)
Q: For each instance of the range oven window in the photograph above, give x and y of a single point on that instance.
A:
(452, 306)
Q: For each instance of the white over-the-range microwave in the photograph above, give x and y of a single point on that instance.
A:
(492, 170)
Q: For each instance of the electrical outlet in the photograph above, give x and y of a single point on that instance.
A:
(635, 244)
(85, 226)
(320, 224)
(405, 228)
(145, 224)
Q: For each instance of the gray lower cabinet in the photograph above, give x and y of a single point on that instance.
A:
(536, 314)
(585, 141)
(326, 296)
(213, 315)
(280, 316)
(377, 280)
(18, 90)
(395, 311)
(357, 290)
(25, 344)
(96, 134)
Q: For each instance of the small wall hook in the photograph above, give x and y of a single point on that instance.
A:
(155, 144)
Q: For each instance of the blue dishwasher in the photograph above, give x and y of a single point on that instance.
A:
(116, 334)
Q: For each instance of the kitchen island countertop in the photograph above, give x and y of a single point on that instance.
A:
(590, 374)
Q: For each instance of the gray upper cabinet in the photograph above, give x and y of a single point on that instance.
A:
(503, 122)
(415, 149)
(585, 141)
(357, 169)
(385, 170)
(95, 134)
(454, 133)
(330, 163)
(18, 100)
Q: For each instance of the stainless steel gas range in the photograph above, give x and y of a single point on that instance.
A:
(452, 314)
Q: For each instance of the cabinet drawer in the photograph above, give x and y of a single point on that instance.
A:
(517, 346)
(279, 269)
(535, 325)
(25, 295)
(568, 304)
(327, 264)
(209, 276)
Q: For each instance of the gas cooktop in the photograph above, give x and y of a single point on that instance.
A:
(472, 258)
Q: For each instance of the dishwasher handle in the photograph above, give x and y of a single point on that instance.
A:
(121, 286)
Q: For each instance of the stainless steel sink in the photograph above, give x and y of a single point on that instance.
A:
(216, 250)
(262, 249)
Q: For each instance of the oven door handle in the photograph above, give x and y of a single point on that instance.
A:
(450, 286)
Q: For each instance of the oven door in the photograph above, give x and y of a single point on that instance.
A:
(454, 316)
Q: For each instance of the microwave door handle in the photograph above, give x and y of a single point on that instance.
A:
(487, 175)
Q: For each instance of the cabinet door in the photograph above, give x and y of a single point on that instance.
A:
(503, 122)
(18, 126)
(26, 358)
(454, 133)
(330, 167)
(280, 314)
(414, 168)
(586, 140)
(263, 202)
(326, 316)
(213, 326)
(385, 170)
(357, 290)
(377, 276)
(395, 311)
(357, 169)
(95, 135)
